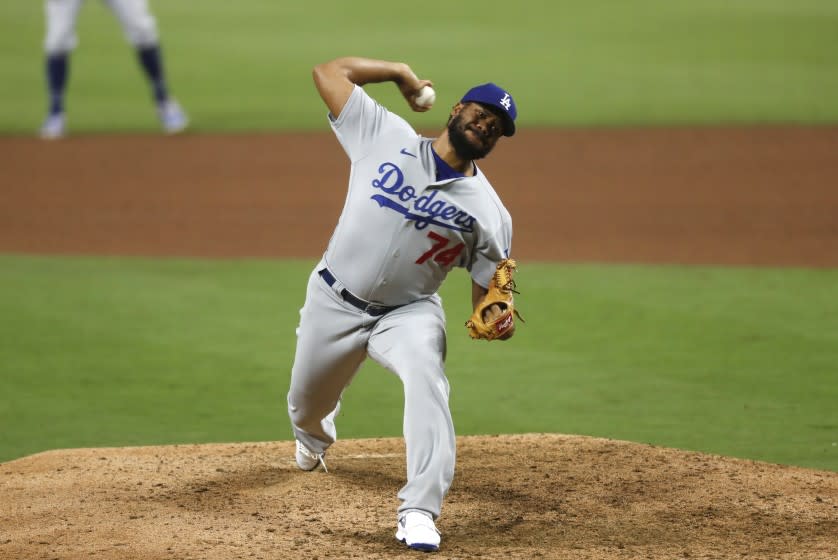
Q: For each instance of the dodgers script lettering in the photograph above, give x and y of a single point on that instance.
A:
(423, 210)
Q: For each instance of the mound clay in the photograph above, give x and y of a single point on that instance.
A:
(761, 196)
(523, 496)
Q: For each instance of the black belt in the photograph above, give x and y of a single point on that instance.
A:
(370, 308)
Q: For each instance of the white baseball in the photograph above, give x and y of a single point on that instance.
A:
(426, 96)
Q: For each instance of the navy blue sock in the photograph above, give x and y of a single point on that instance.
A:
(58, 66)
(152, 62)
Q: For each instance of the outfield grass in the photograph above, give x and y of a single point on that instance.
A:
(112, 352)
(245, 65)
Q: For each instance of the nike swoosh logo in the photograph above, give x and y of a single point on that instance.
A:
(405, 152)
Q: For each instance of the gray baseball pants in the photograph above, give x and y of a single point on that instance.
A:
(334, 338)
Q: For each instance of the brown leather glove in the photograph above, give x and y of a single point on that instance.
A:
(485, 323)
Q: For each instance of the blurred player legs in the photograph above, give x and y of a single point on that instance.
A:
(140, 30)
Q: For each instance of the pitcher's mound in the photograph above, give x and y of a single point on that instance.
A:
(520, 496)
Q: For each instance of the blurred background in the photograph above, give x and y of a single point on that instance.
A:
(246, 65)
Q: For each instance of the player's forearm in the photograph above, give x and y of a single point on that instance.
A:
(360, 71)
(477, 293)
(336, 79)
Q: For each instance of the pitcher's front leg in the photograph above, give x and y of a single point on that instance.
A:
(411, 343)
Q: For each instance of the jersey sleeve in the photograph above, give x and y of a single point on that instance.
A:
(490, 252)
(361, 122)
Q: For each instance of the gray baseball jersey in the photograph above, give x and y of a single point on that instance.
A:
(402, 230)
(374, 292)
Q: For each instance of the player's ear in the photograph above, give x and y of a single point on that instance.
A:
(455, 110)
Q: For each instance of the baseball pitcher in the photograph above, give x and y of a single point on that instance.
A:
(415, 208)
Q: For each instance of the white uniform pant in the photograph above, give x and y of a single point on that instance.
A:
(333, 340)
(137, 23)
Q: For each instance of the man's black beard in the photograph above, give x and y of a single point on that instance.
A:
(465, 149)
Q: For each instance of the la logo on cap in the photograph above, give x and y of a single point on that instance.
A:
(506, 101)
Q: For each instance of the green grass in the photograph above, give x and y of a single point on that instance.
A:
(113, 352)
(245, 65)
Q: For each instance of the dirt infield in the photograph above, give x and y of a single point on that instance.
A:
(760, 196)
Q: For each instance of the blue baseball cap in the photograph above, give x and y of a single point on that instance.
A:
(491, 94)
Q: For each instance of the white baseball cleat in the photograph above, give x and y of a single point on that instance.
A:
(172, 117)
(53, 127)
(307, 459)
(416, 529)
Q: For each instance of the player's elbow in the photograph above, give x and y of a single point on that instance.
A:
(317, 74)
(323, 73)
